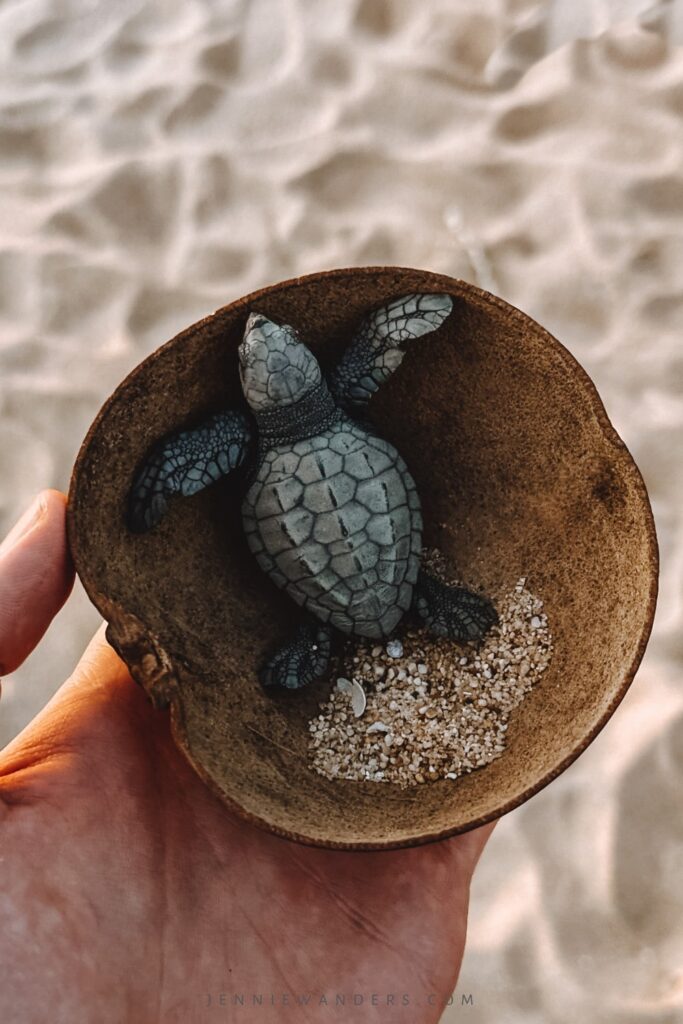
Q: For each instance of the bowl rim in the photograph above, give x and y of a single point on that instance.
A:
(482, 298)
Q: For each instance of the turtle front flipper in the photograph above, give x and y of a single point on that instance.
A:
(186, 463)
(305, 658)
(379, 345)
(452, 611)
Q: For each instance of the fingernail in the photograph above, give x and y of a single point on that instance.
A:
(33, 513)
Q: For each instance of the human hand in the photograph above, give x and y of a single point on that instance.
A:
(132, 895)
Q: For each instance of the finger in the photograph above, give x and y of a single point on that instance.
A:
(469, 846)
(36, 577)
(85, 710)
(100, 680)
(479, 837)
(100, 667)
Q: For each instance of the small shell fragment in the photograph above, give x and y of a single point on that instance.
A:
(377, 727)
(395, 649)
(358, 700)
(344, 685)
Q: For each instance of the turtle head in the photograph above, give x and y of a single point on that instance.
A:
(276, 368)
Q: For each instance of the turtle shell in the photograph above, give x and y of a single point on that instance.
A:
(335, 521)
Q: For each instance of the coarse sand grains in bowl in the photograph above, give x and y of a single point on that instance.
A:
(420, 709)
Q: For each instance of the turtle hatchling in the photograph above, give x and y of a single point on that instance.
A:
(330, 510)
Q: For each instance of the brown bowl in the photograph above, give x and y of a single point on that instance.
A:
(520, 474)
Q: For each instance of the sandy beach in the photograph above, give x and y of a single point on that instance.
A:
(158, 161)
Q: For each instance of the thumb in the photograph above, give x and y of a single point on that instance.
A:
(36, 577)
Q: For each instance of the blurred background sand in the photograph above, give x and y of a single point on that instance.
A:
(159, 160)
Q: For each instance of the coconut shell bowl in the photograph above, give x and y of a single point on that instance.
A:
(520, 474)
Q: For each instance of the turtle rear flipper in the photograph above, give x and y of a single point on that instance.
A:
(379, 346)
(186, 463)
(304, 658)
(452, 611)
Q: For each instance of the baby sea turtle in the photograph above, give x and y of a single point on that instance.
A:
(331, 512)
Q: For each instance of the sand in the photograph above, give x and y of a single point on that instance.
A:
(420, 708)
(157, 161)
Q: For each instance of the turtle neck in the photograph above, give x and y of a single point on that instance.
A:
(285, 424)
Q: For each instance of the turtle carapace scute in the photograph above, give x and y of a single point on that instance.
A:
(330, 511)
